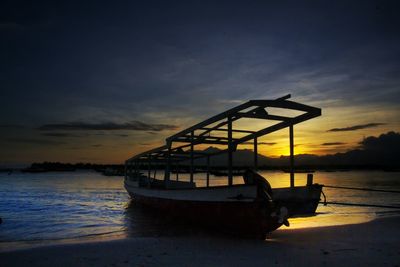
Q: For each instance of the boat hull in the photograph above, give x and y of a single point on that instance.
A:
(300, 201)
(242, 217)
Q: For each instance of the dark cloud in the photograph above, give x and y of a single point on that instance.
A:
(333, 144)
(34, 141)
(116, 55)
(67, 135)
(385, 142)
(267, 143)
(97, 145)
(356, 127)
(62, 135)
(109, 126)
(262, 143)
(122, 135)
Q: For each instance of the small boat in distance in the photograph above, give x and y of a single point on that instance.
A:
(251, 207)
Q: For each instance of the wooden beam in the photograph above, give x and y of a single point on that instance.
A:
(278, 103)
(168, 167)
(278, 126)
(203, 138)
(286, 104)
(255, 154)
(177, 173)
(211, 120)
(191, 157)
(208, 172)
(291, 156)
(148, 171)
(225, 130)
(263, 116)
(205, 141)
(215, 127)
(257, 109)
(230, 159)
(285, 97)
(231, 112)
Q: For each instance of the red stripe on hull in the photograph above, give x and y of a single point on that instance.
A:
(244, 218)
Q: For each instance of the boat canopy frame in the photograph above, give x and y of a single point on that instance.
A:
(205, 133)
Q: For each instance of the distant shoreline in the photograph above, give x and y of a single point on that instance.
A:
(118, 169)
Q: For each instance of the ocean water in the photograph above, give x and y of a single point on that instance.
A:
(48, 207)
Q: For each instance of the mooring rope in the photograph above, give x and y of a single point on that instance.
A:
(360, 205)
(362, 189)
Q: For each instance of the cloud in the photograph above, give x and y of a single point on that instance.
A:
(385, 142)
(267, 143)
(107, 126)
(333, 144)
(34, 141)
(356, 127)
(62, 135)
(261, 143)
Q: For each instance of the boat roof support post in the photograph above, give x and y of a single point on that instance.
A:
(191, 155)
(291, 156)
(168, 164)
(148, 171)
(177, 171)
(255, 154)
(230, 148)
(208, 171)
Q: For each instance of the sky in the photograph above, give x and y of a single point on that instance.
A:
(97, 81)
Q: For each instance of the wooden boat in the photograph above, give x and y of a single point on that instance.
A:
(251, 208)
(241, 209)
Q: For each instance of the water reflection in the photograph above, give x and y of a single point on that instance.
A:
(53, 206)
(141, 221)
(328, 215)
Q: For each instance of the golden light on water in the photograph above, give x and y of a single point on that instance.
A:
(322, 220)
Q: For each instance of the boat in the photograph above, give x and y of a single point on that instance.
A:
(251, 207)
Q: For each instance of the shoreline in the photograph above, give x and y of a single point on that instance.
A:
(296, 223)
(373, 243)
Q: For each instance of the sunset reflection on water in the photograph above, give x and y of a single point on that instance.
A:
(63, 206)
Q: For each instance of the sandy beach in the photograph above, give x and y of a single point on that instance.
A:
(374, 243)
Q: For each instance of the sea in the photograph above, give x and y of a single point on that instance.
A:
(62, 207)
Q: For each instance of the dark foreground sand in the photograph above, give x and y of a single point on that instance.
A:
(376, 243)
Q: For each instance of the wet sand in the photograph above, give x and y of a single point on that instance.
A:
(375, 243)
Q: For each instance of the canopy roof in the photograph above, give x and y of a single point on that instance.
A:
(209, 131)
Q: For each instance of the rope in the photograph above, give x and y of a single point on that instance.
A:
(360, 205)
(362, 189)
